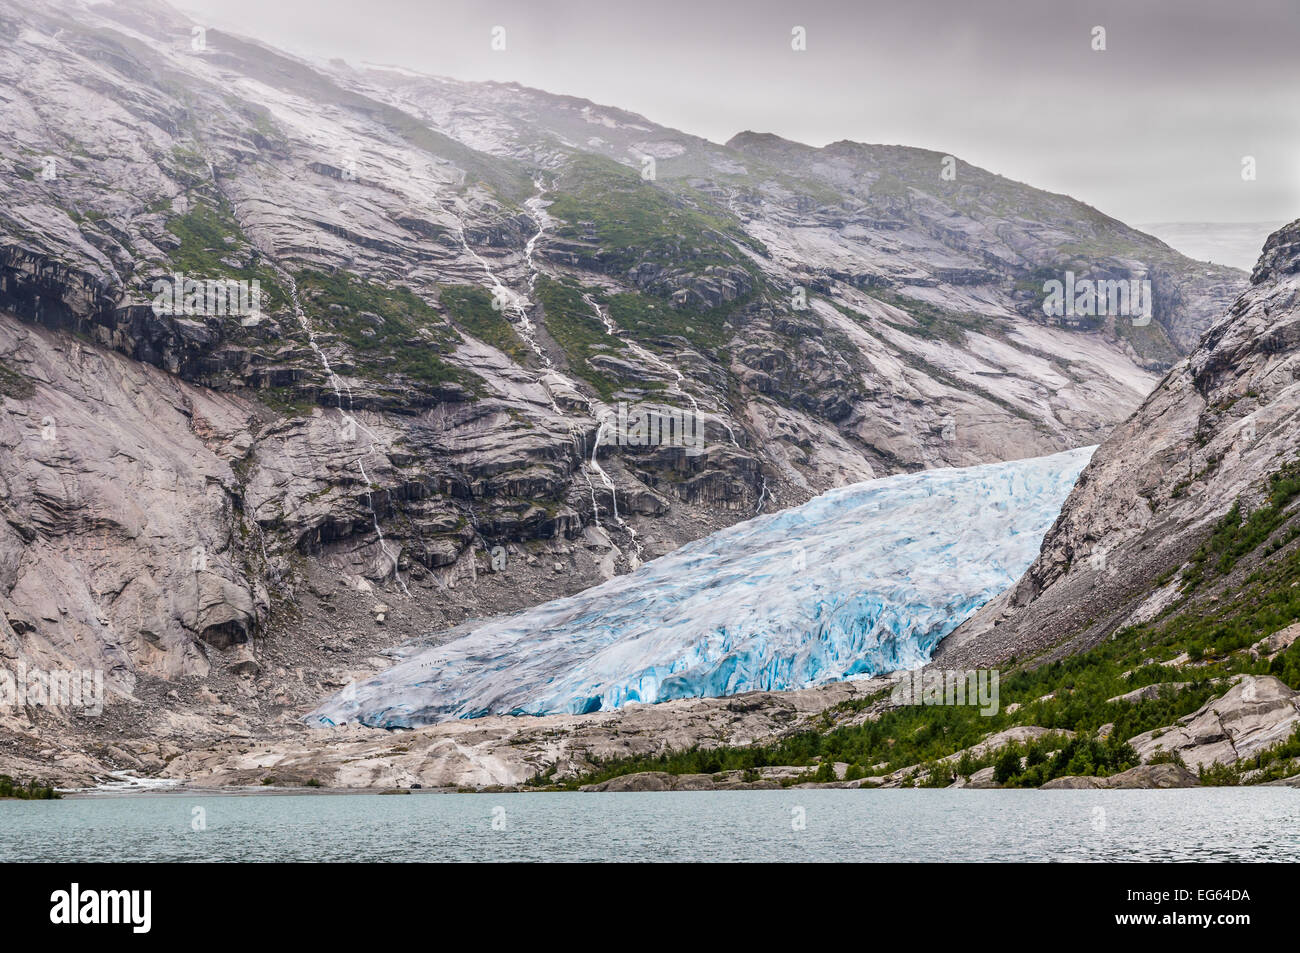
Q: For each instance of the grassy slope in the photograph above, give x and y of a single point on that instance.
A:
(470, 309)
(636, 221)
(409, 339)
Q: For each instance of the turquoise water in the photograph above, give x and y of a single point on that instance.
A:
(1206, 824)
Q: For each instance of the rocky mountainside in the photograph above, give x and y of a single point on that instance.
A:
(460, 283)
(1168, 594)
(1187, 516)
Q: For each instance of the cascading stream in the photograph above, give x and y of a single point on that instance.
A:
(679, 379)
(679, 389)
(527, 331)
(639, 554)
(503, 296)
(338, 385)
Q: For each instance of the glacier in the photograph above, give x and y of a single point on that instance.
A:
(859, 581)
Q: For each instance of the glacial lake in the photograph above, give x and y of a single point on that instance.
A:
(1200, 824)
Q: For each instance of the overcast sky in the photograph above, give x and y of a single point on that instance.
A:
(1153, 129)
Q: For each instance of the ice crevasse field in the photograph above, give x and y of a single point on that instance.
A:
(862, 580)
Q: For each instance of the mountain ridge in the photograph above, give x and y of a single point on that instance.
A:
(1208, 440)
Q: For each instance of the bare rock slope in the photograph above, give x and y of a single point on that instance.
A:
(1189, 507)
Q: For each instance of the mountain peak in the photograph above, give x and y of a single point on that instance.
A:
(1281, 255)
(749, 139)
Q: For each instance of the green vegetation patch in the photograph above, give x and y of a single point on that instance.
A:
(574, 326)
(390, 330)
(15, 384)
(287, 401)
(637, 221)
(646, 317)
(1034, 763)
(31, 791)
(470, 308)
(1234, 537)
(207, 234)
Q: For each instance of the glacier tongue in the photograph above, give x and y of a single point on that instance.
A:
(860, 581)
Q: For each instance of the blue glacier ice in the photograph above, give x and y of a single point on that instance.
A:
(862, 580)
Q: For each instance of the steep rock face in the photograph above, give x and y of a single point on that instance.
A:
(156, 530)
(213, 560)
(1221, 431)
(265, 164)
(901, 308)
(119, 501)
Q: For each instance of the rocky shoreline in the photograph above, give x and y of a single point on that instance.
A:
(499, 754)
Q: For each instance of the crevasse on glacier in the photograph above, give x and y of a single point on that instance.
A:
(859, 581)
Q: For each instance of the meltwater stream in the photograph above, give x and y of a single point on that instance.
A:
(861, 580)
(519, 306)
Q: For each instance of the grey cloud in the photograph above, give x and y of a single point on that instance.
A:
(1153, 129)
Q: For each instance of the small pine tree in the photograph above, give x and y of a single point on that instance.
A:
(1007, 766)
